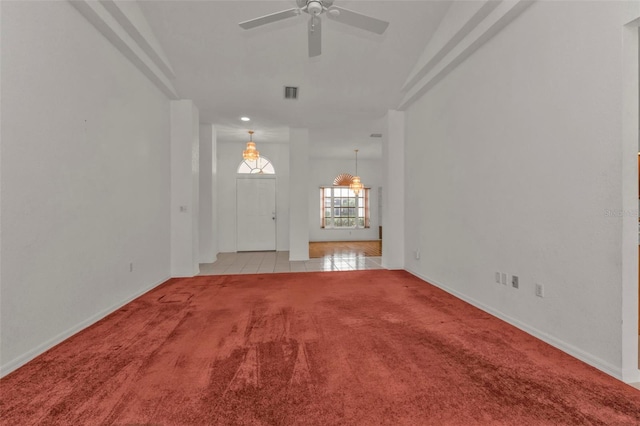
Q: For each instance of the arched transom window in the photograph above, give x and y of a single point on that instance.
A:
(260, 166)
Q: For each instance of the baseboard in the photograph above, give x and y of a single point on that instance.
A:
(212, 259)
(186, 273)
(40, 349)
(578, 353)
(631, 375)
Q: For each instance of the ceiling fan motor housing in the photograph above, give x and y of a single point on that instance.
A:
(314, 7)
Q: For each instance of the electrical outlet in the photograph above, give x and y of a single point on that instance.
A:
(417, 254)
(514, 281)
(539, 290)
(504, 278)
(498, 277)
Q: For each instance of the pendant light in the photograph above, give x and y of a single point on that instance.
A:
(251, 153)
(356, 186)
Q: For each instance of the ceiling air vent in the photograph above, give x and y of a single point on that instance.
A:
(376, 135)
(290, 92)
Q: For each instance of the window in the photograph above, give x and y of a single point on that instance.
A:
(261, 166)
(341, 208)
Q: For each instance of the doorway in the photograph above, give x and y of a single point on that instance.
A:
(256, 213)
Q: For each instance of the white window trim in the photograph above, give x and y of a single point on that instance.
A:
(366, 199)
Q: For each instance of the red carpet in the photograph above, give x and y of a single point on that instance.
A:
(357, 348)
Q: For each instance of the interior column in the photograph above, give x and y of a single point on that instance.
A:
(208, 195)
(393, 192)
(299, 194)
(184, 189)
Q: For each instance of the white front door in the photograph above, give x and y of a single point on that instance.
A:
(256, 214)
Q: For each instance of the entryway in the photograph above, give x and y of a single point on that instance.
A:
(256, 213)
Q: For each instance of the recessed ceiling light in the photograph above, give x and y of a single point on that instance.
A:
(245, 119)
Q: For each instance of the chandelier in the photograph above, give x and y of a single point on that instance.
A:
(251, 153)
(356, 186)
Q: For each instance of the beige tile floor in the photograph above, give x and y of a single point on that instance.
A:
(272, 262)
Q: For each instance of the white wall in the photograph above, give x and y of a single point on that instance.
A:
(84, 178)
(185, 193)
(393, 216)
(229, 156)
(631, 140)
(322, 172)
(124, 25)
(299, 181)
(518, 157)
(208, 233)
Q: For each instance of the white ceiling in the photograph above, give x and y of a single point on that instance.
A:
(343, 94)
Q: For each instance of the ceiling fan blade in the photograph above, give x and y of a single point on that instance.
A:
(267, 19)
(359, 20)
(315, 36)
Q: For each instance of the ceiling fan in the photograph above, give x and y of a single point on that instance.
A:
(315, 8)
